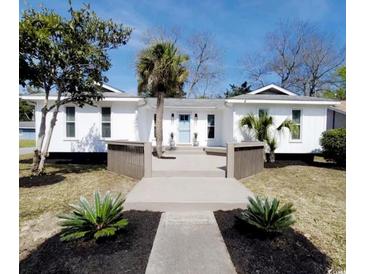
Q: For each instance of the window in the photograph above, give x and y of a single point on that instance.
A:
(105, 122)
(211, 125)
(70, 121)
(262, 112)
(154, 125)
(296, 118)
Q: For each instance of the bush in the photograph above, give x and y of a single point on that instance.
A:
(333, 144)
(102, 219)
(266, 216)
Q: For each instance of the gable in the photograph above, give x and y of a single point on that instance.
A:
(272, 90)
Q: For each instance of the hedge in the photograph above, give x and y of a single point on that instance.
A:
(333, 144)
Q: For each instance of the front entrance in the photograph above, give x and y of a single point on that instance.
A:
(184, 128)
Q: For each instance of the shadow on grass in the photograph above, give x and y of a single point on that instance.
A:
(285, 163)
(128, 251)
(289, 252)
(57, 176)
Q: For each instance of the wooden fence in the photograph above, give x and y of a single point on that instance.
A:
(133, 159)
(244, 159)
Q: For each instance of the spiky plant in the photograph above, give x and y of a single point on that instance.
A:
(265, 214)
(261, 125)
(102, 219)
(272, 145)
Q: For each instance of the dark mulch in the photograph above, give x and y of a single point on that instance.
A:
(127, 252)
(289, 252)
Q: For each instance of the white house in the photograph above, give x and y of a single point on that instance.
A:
(216, 121)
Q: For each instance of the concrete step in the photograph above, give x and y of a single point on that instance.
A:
(189, 242)
(189, 173)
(187, 194)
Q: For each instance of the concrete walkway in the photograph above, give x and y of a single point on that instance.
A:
(189, 242)
(187, 194)
(189, 162)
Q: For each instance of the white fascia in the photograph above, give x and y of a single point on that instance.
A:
(282, 102)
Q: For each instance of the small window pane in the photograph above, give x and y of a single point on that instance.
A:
(105, 114)
(70, 114)
(262, 112)
(70, 129)
(211, 120)
(105, 131)
(296, 116)
(296, 135)
(211, 132)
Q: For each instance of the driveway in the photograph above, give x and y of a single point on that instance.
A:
(26, 150)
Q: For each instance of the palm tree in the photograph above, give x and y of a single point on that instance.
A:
(261, 125)
(161, 73)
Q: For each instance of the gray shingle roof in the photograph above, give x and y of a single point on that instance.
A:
(26, 124)
(279, 97)
(183, 102)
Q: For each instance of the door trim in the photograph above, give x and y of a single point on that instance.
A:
(178, 129)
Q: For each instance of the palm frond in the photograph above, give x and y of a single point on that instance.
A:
(101, 219)
(266, 215)
(289, 124)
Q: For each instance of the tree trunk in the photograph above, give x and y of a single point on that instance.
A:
(45, 148)
(159, 119)
(41, 135)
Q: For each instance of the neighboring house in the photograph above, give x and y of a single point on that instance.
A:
(216, 121)
(336, 116)
(26, 130)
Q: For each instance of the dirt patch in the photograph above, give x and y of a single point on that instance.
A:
(289, 252)
(127, 252)
(318, 192)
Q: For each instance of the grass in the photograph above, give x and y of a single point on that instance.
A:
(42, 198)
(63, 184)
(26, 143)
(319, 196)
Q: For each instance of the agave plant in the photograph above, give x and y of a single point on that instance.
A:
(265, 214)
(102, 219)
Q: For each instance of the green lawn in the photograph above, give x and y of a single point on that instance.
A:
(26, 143)
(42, 198)
(318, 193)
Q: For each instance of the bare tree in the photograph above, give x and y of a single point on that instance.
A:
(204, 65)
(204, 57)
(298, 56)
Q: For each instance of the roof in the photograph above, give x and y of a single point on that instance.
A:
(272, 89)
(189, 103)
(26, 124)
(280, 97)
(341, 108)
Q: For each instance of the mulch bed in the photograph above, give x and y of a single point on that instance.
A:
(289, 252)
(127, 252)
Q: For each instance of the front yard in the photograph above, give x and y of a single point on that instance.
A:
(26, 143)
(318, 193)
(42, 198)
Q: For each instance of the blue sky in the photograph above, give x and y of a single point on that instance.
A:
(239, 27)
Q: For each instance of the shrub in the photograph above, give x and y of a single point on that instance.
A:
(265, 215)
(333, 144)
(102, 219)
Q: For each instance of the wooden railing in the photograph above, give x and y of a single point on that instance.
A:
(133, 159)
(244, 159)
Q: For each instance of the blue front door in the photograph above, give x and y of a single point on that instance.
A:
(184, 128)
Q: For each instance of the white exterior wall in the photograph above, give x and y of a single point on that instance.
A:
(313, 123)
(88, 127)
(200, 125)
(135, 123)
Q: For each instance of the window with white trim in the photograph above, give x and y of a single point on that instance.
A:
(105, 122)
(263, 111)
(296, 118)
(70, 122)
(211, 126)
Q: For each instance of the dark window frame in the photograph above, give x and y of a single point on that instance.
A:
(70, 122)
(299, 137)
(211, 126)
(106, 122)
